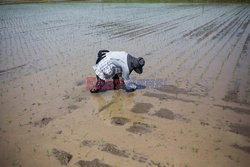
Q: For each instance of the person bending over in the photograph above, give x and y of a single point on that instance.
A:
(115, 64)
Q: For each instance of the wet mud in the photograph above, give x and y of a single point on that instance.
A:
(200, 51)
(235, 109)
(165, 113)
(139, 128)
(173, 89)
(119, 121)
(240, 129)
(167, 97)
(106, 106)
(121, 152)
(73, 107)
(141, 107)
(113, 149)
(89, 143)
(43, 122)
(62, 156)
(2, 72)
(93, 163)
(80, 82)
(243, 148)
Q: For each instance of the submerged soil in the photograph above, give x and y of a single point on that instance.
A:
(191, 108)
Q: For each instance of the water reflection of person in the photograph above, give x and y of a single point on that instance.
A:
(119, 106)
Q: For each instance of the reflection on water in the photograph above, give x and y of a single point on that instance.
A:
(119, 106)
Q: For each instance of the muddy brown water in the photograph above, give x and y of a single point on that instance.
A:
(195, 53)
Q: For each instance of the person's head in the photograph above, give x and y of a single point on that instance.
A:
(138, 65)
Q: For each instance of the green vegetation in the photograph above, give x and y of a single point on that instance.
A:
(195, 149)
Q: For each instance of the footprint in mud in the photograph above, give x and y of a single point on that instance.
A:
(165, 113)
(113, 149)
(182, 118)
(43, 122)
(93, 163)
(139, 128)
(142, 107)
(120, 121)
(62, 156)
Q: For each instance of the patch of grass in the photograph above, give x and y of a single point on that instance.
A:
(49, 154)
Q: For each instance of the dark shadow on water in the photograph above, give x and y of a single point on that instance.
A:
(108, 87)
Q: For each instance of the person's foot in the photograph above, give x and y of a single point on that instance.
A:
(117, 87)
(130, 90)
(94, 90)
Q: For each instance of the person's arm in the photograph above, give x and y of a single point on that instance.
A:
(128, 83)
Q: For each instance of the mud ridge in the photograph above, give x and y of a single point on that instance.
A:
(235, 109)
